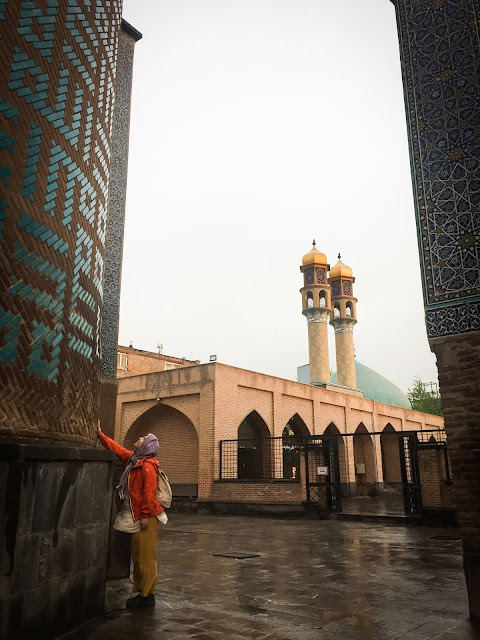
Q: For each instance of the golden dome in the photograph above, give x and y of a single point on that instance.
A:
(340, 269)
(314, 256)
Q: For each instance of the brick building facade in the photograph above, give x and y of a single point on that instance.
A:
(193, 409)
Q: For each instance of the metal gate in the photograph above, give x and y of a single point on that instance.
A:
(410, 443)
(322, 473)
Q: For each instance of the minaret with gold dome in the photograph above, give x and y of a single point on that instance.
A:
(316, 307)
(343, 320)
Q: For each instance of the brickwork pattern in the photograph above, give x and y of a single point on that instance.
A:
(275, 492)
(345, 355)
(459, 377)
(440, 54)
(139, 362)
(390, 457)
(432, 470)
(215, 398)
(58, 68)
(178, 454)
(318, 350)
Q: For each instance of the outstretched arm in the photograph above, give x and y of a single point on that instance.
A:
(108, 443)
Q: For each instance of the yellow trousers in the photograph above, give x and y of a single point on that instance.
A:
(143, 546)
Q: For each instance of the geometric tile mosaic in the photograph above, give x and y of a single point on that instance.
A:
(440, 53)
(117, 200)
(57, 78)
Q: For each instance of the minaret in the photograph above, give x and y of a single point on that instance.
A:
(344, 318)
(316, 307)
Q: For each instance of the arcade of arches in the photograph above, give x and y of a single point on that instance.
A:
(193, 409)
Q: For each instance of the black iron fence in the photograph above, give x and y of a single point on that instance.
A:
(260, 459)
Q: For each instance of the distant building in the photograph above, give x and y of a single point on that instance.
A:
(132, 362)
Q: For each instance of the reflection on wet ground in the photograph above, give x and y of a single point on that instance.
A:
(384, 505)
(311, 580)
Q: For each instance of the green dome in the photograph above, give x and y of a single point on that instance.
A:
(376, 387)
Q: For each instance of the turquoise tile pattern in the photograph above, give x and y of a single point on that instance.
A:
(58, 64)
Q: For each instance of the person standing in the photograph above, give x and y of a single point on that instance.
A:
(140, 512)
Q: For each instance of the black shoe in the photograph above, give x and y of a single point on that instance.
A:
(139, 601)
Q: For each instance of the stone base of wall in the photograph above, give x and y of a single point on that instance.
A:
(54, 531)
(440, 517)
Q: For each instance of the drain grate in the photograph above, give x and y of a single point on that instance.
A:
(237, 555)
(445, 538)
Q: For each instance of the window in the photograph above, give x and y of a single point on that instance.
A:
(122, 361)
(172, 365)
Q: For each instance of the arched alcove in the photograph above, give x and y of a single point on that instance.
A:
(332, 430)
(364, 459)
(178, 439)
(292, 438)
(253, 448)
(390, 455)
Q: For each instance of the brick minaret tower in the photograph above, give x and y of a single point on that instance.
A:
(343, 319)
(316, 307)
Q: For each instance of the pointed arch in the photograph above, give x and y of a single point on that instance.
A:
(253, 426)
(254, 455)
(332, 430)
(296, 426)
(178, 439)
(390, 455)
(292, 439)
(364, 459)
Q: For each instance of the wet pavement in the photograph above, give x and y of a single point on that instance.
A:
(384, 505)
(307, 580)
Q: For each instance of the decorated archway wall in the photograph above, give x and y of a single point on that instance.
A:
(440, 59)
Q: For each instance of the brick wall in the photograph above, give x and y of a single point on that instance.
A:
(178, 454)
(458, 360)
(215, 398)
(432, 469)
(140, 362)
(265, 492)
(390, 457)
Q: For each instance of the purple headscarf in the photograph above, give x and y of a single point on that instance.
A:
(148, 449)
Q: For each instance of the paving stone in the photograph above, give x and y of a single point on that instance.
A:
(314, 580)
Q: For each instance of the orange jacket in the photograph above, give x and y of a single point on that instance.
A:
(142, 481)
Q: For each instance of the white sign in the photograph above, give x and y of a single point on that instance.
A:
(322, 471)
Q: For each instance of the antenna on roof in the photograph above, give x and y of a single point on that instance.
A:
(160, 348)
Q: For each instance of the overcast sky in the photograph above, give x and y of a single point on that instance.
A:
(258, 125)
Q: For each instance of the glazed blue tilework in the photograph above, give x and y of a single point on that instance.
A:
(116, 206)
(56, 118)
(440, 52)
